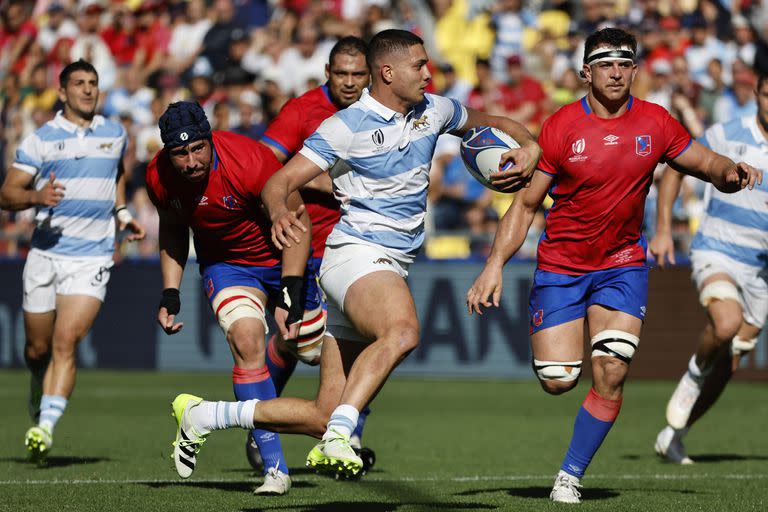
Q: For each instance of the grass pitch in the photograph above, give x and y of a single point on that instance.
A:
(441, 446)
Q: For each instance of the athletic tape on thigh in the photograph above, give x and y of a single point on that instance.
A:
(615, 343)
(719, 290)
(740, 346)
(232, 304)
(565, 371)
(311, 332)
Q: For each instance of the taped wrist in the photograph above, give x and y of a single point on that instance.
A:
(171, 301)
(292, 297)
(123, 214)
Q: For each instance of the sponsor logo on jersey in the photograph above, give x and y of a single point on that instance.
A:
(611, 140)
(230, 203)
(643, 145)
(421, 123)
(578, 148)
(202, 200)
(378, 138)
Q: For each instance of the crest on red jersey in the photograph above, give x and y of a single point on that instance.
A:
(643, 145)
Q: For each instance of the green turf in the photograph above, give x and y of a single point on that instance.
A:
(441, 446)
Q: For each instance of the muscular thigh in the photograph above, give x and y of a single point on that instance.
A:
(75, 315)
(378, 301)
(601, 318)
(563, 342)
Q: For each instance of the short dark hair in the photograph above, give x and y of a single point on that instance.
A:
(615, 37)
(387, 42)
(78, 65)
(349, 45)
(761, 79)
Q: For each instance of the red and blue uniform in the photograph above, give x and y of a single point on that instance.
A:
(230, 226)
(592, 250)
(297, 120)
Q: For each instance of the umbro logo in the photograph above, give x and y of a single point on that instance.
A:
(202, 200)
(611, 140)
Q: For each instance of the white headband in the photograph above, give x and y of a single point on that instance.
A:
(604, 54)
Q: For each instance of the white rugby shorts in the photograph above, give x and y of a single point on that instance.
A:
(753, 289)
(46, 276)
(342, 266)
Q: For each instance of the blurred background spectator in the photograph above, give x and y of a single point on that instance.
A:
(243, 59)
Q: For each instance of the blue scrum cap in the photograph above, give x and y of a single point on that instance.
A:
(183, 123)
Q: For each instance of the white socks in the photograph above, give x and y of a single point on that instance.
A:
(343, 421)
(208, 416)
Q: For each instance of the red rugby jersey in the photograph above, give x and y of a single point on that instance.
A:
(225, 212)
(297, 120)
(602, 169)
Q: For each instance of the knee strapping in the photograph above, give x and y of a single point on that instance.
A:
(235, 303)
(310, 341)
(615, 343)
(564, 371)
(719, 290)
(740, 346)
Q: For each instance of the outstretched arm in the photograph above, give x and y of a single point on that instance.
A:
(510, 236)
(524, 159)
(727, 176)
(174, 249)
(662, 247)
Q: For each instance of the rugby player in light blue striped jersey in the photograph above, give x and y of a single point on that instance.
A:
(378, 153)
(70, 171)
(729, 260)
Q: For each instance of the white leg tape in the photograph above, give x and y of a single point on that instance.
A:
(232, 304)
(615, 343)
(719, 290)
(564, 371)
(310, 342)
(740, 346)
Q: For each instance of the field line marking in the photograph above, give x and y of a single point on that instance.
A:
(468, 478)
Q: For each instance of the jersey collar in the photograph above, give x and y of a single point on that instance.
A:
(588, 109)
(65, 124)
(384, 111)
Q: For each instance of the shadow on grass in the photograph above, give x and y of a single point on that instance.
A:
(708, 458)
(541, 492)
(244, 486)
(705, 458)
(59, 461)
(342, 506)
(249, 471)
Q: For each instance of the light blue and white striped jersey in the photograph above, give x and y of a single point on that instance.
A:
(736, 225)
(379, 161)
(85, 161)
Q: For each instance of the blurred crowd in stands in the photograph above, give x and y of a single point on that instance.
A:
(243, 59)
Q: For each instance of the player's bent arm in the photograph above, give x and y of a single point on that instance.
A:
(17, 192)
(721, 171)
(321, 183)
(174, 248)
(525, 158)
(514, 226)
(299, 171)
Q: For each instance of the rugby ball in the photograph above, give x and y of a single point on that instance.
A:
(481, 150)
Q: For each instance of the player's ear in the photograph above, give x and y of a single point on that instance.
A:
(586, 73)
(387, 73)
(327, 71)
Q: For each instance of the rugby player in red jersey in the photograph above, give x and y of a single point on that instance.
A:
(599, 156)
(210, 182)
(347, 75)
